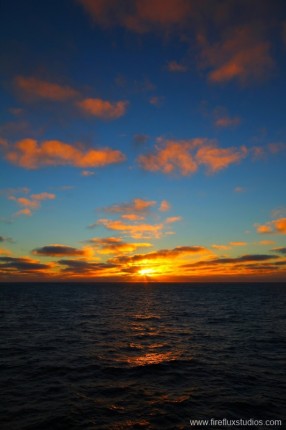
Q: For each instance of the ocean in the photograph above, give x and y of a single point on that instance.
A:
(142, 356)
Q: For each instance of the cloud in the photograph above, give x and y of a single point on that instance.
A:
(4, 251)
(138, 15)
(249, 258)
(156, 101)
(31, 203)
(239, 189)
(168, 254)
(220, 247)
(57, 250)
(172, 219)
(185, 156)
(277, 226)
(136, 206)
(136, 231)
(238, 243)
(103, 109)
(22, 265)
(87, 173)
(35, 88)
(175, 67)
(170, 156)
(30, 154)
(227, 121)
(241, 54)
(115, 245)
(81, 267)
(276, 147)
(280, 250)
(266, 242)
(217, 159)
(6, 239)
(164, 206)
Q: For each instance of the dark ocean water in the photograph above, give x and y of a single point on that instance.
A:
(84, 356)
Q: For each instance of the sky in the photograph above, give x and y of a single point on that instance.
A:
(143, 140)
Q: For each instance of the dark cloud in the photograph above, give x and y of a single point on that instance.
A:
(82, 267)
(243, 259)
(58, 251)
(280, 250)
(21, 264)
(163, 253)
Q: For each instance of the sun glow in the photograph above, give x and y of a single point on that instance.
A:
(147, 271)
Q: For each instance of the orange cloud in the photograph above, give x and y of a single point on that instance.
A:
(277, 226)
(219, 158)
(31, 203)
(30, 154)
(114, 245)
(138, 15)
(172, 219)
(238, 243)
(35, 88)
(136, 231)
(221, 247)
(103, 109)
(242, 55)
(170, 156)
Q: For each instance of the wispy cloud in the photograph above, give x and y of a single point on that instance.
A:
(31, 202)
(30, 154)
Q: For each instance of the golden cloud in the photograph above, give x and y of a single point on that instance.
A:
(30, 154)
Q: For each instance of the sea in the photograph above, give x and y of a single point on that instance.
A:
(142, 356)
